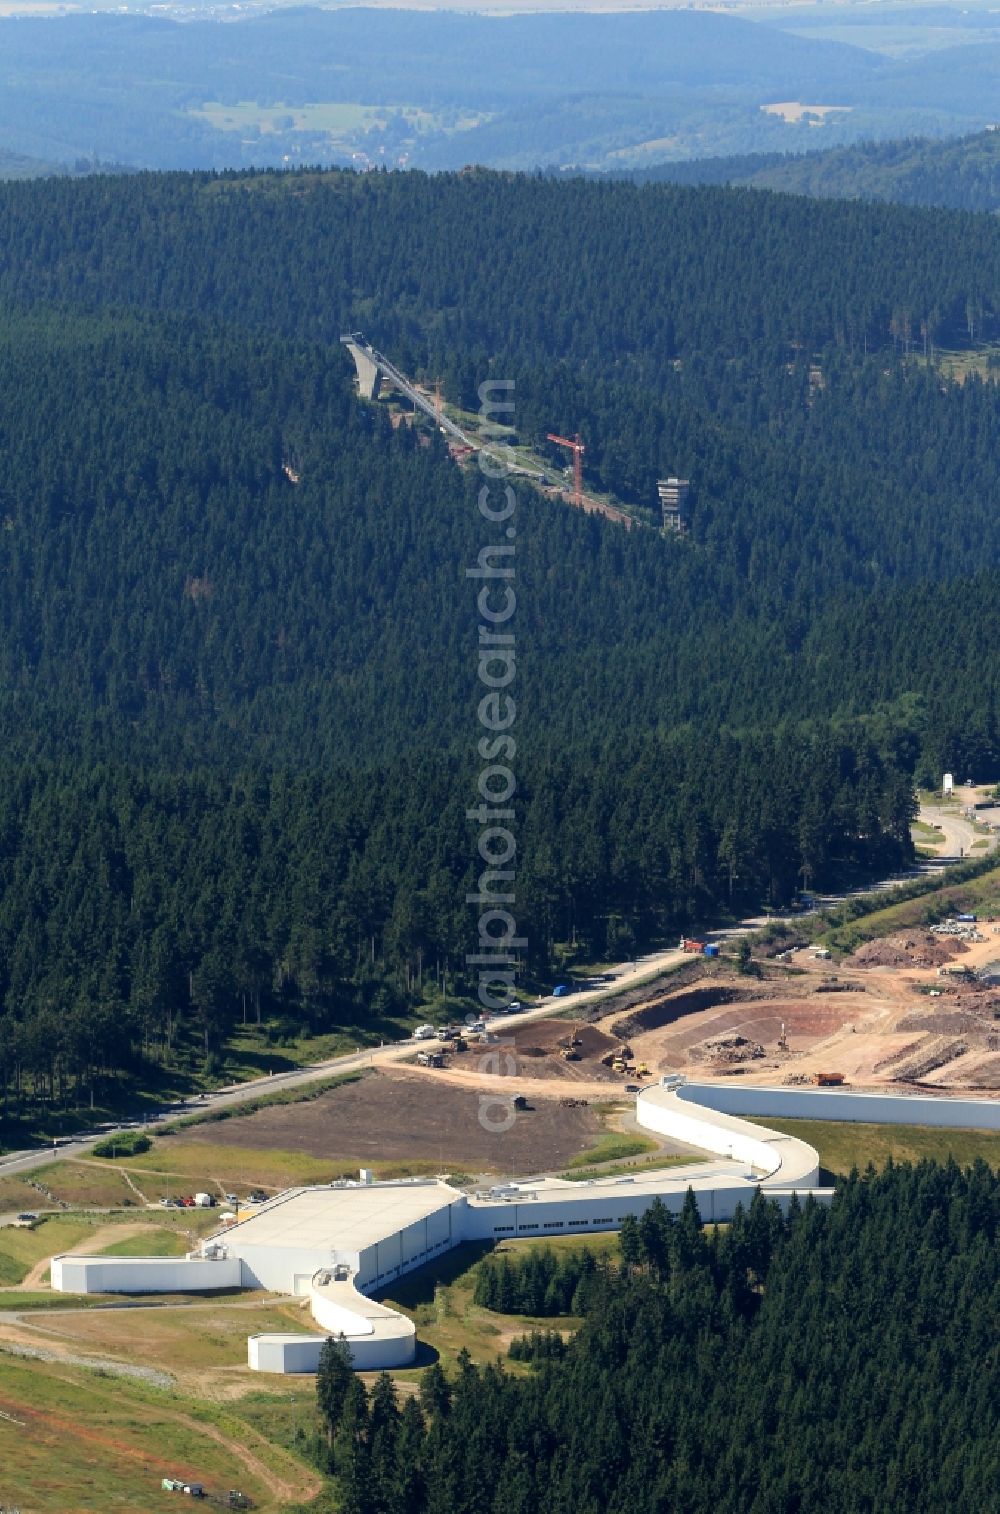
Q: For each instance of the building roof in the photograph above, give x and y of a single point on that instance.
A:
(348, 1217)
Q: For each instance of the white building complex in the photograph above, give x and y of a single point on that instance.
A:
(335, 1245)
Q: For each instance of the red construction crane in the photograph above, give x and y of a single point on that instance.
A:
(578, 449)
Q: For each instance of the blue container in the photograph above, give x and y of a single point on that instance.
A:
(711, 951)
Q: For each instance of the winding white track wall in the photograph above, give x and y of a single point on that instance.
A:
(688, 1112)
(845, 1104)
(703, 1115)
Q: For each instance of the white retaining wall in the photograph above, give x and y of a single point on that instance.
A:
(701, 1131)
(844, 1104)
(144, 1274)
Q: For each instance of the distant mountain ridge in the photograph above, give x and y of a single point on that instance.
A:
(15, 165)
(960, 173)
(437, 90)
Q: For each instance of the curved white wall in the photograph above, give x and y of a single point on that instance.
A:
(378, 1337)
(687, 1112)
(336, 1320)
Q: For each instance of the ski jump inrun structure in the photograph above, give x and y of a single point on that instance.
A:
(335, 1245)
(372, 367)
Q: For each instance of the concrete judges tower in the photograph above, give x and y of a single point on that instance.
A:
(673, 494)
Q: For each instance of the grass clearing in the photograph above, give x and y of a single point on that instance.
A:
(76, 1442)
(86, 1184)
(613, 1147)
(154, 1241)
(974, 888)
(176, 1166)
(617, 1169)
(202, 1342)
(439, 1297)
(20, 1250)
(17, 1194)
(842, 1146)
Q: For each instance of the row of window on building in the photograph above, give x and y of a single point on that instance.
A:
(673, 494)
(553, 1225)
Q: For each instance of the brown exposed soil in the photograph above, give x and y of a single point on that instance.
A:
(946, 1022)
(539, 1051)
(395, 1117)
(908, 949)
(669, 1008)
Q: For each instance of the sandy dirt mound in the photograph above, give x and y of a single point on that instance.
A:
(540, 1049)
(908, 949)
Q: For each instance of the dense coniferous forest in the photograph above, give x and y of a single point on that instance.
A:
(843, 1359)
(238, 680)
(957, 174)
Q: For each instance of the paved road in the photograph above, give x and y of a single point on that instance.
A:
(625, 975)
(957, 831)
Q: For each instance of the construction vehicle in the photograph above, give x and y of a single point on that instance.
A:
(689, 944)
(830, 1080)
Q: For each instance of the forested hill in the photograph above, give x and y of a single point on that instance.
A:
(238, 681)
(839, 1360)
(957, 173)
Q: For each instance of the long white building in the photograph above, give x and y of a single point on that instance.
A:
(336, 1245)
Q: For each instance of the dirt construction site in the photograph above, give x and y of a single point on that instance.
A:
(910, 1011)
(916, 1010)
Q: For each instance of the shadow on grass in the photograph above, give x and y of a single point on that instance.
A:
(418, 1287)
(265, 1060)
(426, 1355)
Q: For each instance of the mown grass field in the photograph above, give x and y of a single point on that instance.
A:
(170, 1233)
(842, 1146)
